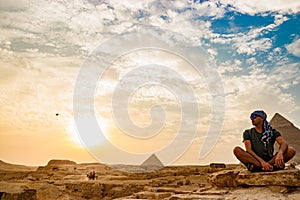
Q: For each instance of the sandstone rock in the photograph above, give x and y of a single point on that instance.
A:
(152, 195)
(61, 162)
(279, 178)
(88, 190)
(252, 193)
(224, 178)
(217, 165)
(6, 176)
(28, 194)
(233, 178)
(195, 196)
(213, 191)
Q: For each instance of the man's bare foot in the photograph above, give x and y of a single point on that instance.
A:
(253, 168)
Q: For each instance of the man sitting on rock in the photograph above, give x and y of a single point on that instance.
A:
(259, 143)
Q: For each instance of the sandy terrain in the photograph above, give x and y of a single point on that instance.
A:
(61, 179)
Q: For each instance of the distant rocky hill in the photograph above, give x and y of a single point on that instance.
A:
(61, 162)
(12, 167)
(289, 132)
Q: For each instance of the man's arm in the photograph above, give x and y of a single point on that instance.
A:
(283, 146)
(264, 165)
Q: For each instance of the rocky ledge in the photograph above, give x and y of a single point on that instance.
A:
(238, 177)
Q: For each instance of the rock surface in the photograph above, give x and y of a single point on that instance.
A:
(61, 162)
(62, 180)
(234, 178)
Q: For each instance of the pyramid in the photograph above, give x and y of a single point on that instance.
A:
(152, 161)
(279, 121)
(289, 132)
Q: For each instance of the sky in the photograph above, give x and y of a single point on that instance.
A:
(116, 81)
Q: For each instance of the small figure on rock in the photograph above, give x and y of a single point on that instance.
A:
(91, 175)
(259, 144)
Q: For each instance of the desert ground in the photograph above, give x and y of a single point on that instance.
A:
(64, 179)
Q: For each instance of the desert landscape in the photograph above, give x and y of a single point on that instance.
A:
(65, 179)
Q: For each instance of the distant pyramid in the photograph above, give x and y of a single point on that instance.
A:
(289, 132)
(152, 161)
(279, 121)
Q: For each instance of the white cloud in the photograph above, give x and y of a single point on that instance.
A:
(260, 89)
(258, 6)
(209, 8)
(34, 97)
(251, 47)
(264, 88)
(15, 5)
(248, 93)
(212, 52)
(230, 66)
(248, 42)
(294, 48)
(279, 19)
(286, 75)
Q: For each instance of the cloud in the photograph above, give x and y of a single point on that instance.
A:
(264, 89)
(31, 93)
(258, 6)
(253, 46)
(230, 66)
(14, 6)
(250, 42)
(286, 75)
(294, 48)
(210, 9)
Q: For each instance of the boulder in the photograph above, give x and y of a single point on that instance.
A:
(277, 178)
(233, 178)
(226, 178)
(217, 165)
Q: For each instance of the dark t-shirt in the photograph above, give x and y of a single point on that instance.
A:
(257, 145)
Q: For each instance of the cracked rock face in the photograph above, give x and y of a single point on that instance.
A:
(234, 178)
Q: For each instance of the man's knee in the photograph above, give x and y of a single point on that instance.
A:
(237, 151)
(292, 151)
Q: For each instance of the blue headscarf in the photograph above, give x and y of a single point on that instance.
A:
(268, 131)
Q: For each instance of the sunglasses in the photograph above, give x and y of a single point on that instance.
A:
(253, 116)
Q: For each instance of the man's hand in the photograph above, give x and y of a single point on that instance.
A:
(266, 166)
(279, 161)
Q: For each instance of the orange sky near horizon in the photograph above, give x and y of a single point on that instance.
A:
(32, 133)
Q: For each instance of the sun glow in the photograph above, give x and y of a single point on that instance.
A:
(72, 131)
(87, 138)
